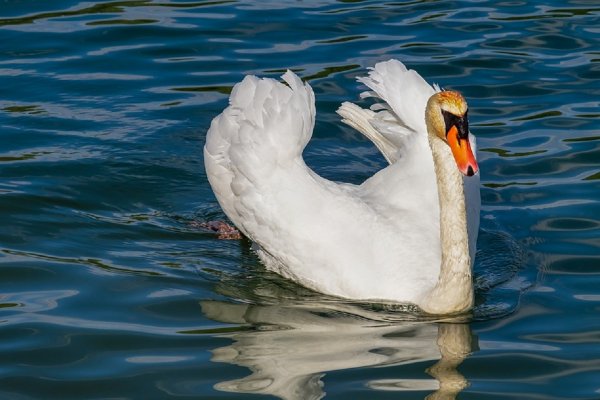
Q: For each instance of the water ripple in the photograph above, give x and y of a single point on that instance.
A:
(113, 284)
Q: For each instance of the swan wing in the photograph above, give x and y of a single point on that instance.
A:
(254, 165)
(363, 121)
(402, 96)
(334, 238)
(396, 125)
(238, 160)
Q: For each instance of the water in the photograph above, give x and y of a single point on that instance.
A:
(111, 289)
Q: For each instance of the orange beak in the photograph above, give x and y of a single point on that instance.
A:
(461, 150)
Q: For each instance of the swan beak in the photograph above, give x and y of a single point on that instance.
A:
(461, 150)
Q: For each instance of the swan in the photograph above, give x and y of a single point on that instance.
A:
(405, 235)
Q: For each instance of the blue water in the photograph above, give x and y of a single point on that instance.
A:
(111, 288)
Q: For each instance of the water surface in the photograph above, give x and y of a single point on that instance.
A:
(111, 288)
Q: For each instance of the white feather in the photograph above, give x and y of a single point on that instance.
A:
(375, 241)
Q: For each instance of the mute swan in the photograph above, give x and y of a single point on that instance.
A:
(400, 236)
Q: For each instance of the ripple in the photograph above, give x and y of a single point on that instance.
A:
(110, 283)
(38, 301)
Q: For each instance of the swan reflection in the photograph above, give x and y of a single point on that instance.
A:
(290, 348)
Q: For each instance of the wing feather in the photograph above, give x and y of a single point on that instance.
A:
(264, 129)
(402, 96)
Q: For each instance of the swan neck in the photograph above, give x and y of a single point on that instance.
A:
(453, 292)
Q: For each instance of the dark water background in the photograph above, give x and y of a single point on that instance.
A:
(111, 289)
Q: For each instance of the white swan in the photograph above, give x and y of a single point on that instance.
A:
(400, 236)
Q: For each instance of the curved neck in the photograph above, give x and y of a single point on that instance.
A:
(453, 292)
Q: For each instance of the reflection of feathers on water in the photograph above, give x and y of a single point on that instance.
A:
(292, 347)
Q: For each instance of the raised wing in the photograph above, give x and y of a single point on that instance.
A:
(402, 96)
(264, 130)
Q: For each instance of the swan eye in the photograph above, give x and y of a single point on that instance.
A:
(461, 123)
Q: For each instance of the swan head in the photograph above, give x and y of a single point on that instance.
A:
(446, 118)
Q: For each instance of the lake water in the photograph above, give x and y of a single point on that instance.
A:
(111, 288)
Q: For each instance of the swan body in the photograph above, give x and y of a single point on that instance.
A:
(407, 234)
